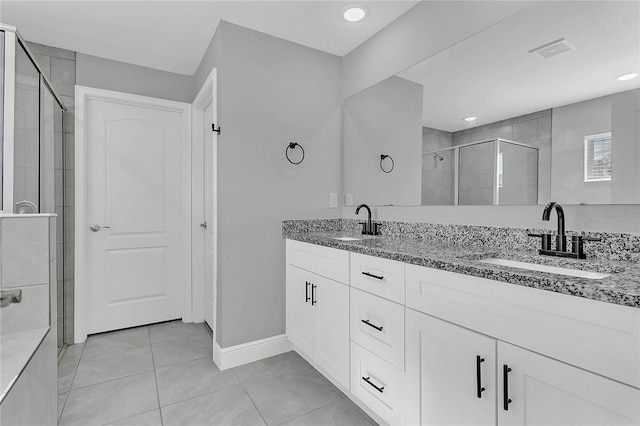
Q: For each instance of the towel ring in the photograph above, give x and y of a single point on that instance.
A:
(382, 158)
(293, 145)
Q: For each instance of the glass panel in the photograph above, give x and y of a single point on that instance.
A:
(48, 152)
(438, 178)
(476, 174)
(517, 174)
(1, 115)
(26, 191)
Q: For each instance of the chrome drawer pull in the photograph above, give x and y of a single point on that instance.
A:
(371, 325)
(379, 389)
(369, 274)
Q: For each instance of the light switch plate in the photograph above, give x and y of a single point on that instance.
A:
(348, 200)
(333, 200)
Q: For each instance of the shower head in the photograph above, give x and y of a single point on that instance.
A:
(439, 157)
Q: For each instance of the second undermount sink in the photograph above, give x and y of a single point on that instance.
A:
(347, 238)
(544, 268)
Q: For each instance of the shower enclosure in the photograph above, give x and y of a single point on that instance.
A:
(31, 126)
(493, 172)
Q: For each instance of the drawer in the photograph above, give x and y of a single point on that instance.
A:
(382, 277)
(378, 325)
(383, 391)
(596, 336)
(325, 261)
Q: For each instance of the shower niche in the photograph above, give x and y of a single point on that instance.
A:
(492, 172)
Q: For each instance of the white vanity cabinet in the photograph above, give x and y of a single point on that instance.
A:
(534, 378)
(318, 307)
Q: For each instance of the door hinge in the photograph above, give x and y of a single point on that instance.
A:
(213, 128)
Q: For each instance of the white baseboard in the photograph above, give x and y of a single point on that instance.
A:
(234, 356)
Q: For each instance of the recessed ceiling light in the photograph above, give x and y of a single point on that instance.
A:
(470, 119)
(625, 77)
(354, 13)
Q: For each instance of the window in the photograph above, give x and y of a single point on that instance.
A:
(597, 157)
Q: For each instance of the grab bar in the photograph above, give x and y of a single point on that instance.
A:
(7, 297)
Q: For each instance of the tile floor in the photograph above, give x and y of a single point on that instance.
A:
(162, 374)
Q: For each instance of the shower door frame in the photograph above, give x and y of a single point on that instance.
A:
(11, 39)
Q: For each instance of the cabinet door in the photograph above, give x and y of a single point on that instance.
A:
(299, 309)
(444, 374)
(331, 348)
(544, 391)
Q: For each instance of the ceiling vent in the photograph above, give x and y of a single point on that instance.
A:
(554, 48)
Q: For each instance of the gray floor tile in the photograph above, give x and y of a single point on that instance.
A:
(280, 364)
(230, 406)
(111, 401)
(150, 418)
(344, 413)
(116, 341)
(73, 352)
(66, 371)
(182, 350)
(190, 379)
(287, 396)
(174, 330)
(112, 365)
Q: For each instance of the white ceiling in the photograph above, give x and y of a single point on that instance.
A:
(493, 76)
(173, 35)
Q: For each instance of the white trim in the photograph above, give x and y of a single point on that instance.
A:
(9, 121)
(82, 94)
(205, 96)
(234, 356)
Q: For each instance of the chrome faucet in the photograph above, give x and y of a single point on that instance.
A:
(577, 241)
(368, 228)
(7, 297)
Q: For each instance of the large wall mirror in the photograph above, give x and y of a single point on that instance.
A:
(540, 106)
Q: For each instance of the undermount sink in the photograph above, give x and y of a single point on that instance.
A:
(347, 238)
(544, 268)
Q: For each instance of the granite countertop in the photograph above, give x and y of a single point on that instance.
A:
(622, 287)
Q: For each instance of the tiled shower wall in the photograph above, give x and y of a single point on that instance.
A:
(59, 65)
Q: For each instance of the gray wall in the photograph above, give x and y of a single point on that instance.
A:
(384, 119)
(271, 92)
(625, 128)
(102, 73)
(437, 175)
(571, 123)
(423, 31)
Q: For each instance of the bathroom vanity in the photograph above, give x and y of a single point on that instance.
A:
(424, 333)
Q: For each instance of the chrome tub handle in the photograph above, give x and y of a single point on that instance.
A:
(7, 297)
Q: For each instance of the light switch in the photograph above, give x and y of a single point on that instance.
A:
(333, 200)
(348, 201)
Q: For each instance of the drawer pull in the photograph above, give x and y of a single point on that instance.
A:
(379, 389)
(306, 291)
(313, 294)
(369, 274)
(480, 389)
(371, 325)
(505, 387)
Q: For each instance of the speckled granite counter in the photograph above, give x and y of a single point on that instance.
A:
(622, 287)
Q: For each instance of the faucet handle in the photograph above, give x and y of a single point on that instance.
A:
(577, 244)
(365, 227)
(376, 228)
(546, 240)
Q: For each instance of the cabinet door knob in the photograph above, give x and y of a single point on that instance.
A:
(480, 389)
(505, 387)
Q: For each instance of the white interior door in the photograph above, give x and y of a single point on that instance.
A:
(134, 204)
(209, 237)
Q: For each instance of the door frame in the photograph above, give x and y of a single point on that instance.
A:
(82, 96)
(206, 95)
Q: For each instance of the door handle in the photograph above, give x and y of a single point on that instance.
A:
(313, 294)
(203, 225)
(480, 389)
(371, 325)
(95, 227)
(505, 387)
(306, 291)
(369, 274)
(370, 383)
